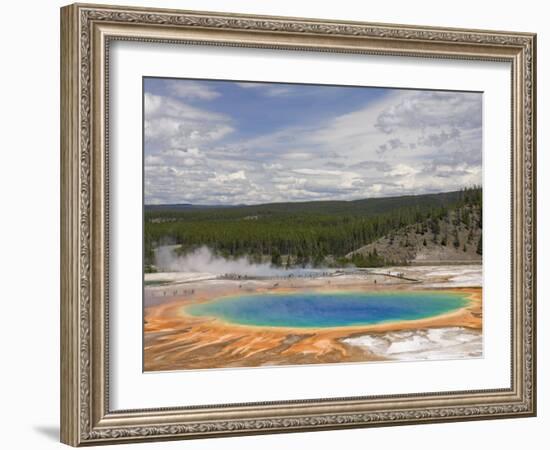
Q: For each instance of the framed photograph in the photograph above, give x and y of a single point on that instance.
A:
(275, 224)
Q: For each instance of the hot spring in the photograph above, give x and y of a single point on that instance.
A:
(329, 309)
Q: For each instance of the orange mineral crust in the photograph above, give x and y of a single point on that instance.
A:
(175, 340)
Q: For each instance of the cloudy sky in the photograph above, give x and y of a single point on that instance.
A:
(226, 142)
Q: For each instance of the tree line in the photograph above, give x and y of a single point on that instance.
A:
(298, 235)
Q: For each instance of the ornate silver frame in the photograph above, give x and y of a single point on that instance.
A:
(86, 32)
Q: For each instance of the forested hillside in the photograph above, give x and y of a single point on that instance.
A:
(452, 239)
(324, 233)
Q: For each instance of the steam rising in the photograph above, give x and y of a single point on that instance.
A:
(203, 260)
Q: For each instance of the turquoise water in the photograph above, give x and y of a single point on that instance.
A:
(329, 309)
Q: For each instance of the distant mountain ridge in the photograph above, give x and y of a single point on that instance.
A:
(374, 205)
(182, 207)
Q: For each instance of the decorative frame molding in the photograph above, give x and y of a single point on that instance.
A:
(86, 32)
